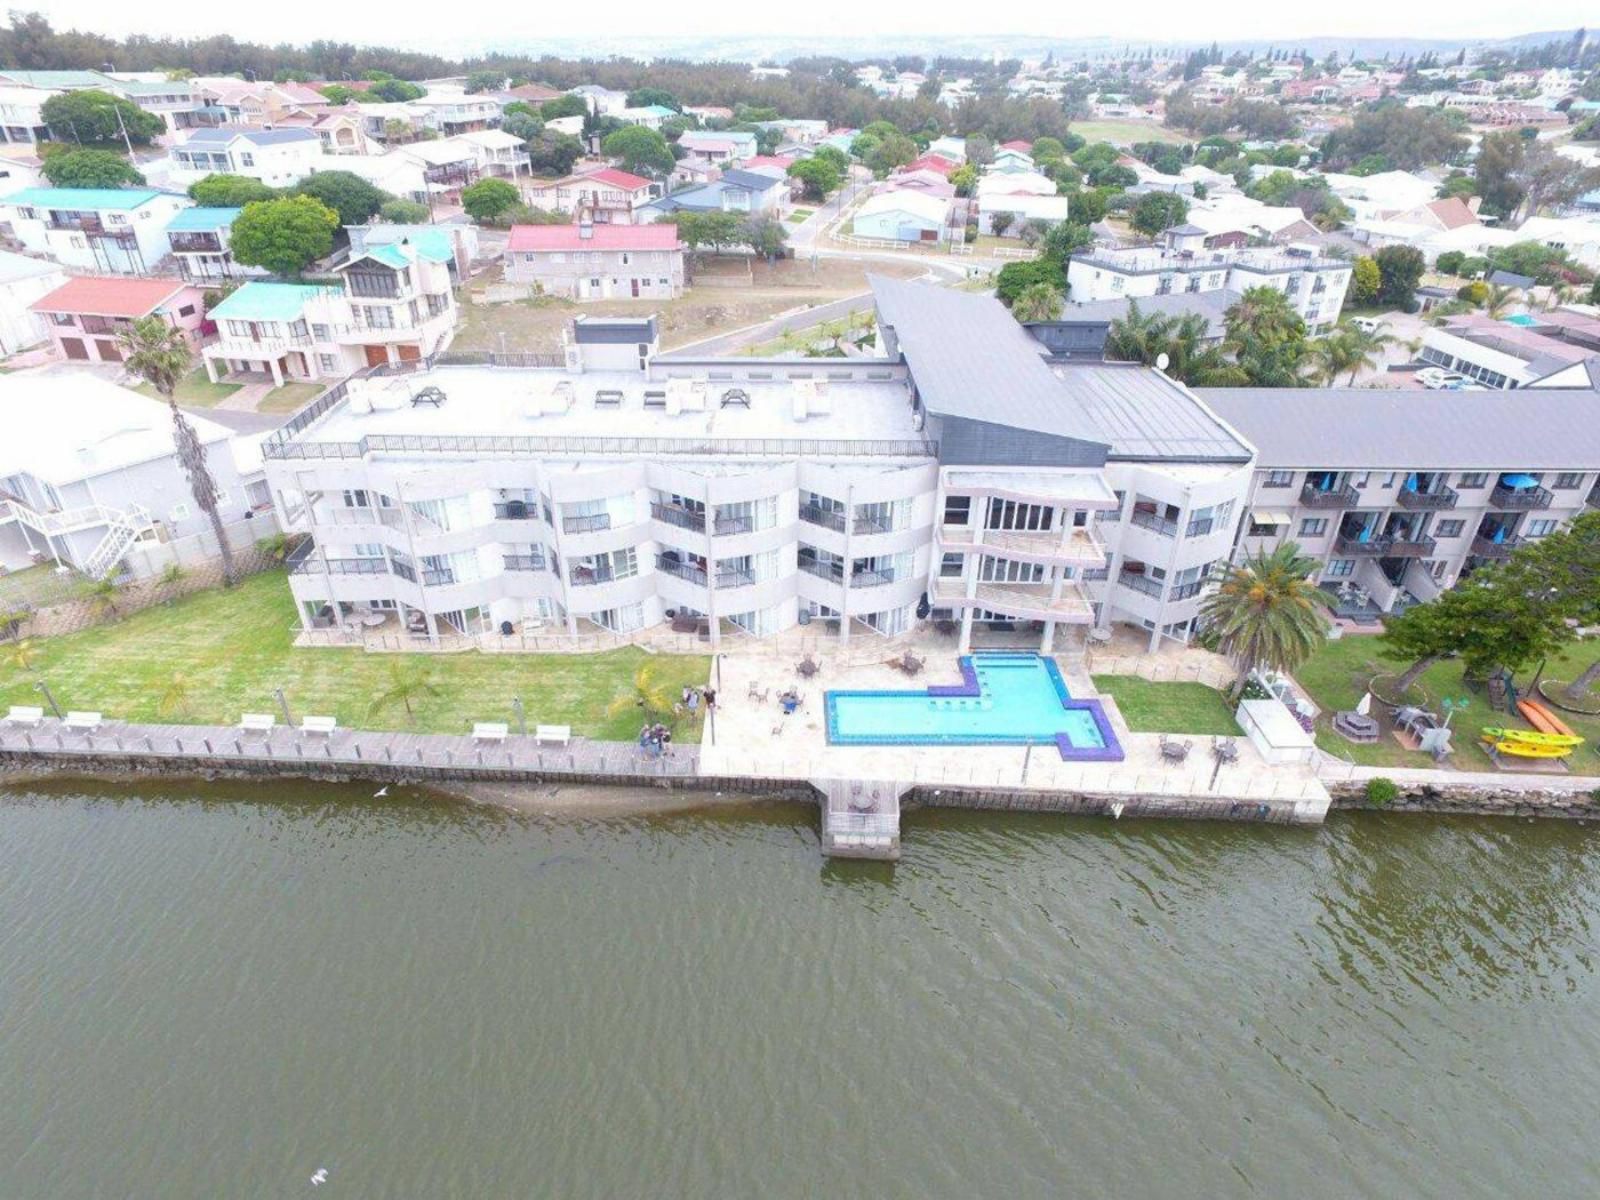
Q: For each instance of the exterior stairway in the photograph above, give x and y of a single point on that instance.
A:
(123, 528)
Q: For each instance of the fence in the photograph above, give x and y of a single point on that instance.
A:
(1156, 669)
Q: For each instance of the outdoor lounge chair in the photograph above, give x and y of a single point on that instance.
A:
(1174, 751)
(756, 693)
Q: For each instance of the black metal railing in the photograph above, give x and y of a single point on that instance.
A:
(833, 572)
(687, 571)
(1154, 523)
(516, 510)
(1519, 499)
(1402, 546)
(1187, 591)
(734, 524)
(871, 525)
(586, 524)
(490, 444)
(1199, 526)
(1134, 581)
(1356, 546)
(524, 562)
(1343, 496)
(828, 518)
(683, 518)
(728, 577)
(589, 576)
(872, 578)
(1488, 547)
(438, 577)
(1437, 498)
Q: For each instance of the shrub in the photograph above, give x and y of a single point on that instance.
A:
(1382, 792)
(1475, 292)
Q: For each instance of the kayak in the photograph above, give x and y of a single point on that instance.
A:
(1531, 737)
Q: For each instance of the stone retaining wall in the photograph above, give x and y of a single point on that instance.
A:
(1092, 804)
(1559, 799)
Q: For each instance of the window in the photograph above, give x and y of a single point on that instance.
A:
(1540, 527)
(1447, 529)
(1314, 527)
(180, 512)
(1568, 479)
(1474, 479)
(655, 399)
(188, 311)
(247, 159)
(957, 510)
(378, 317)
(950, 566)
(1278, 479)
(1340, 567)
(328, 362)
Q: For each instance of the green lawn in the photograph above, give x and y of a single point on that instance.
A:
(196, 390)
(800, 214)
(1338, 675)
(1126, 133)
(1168, 707)
(289, 398)
(233, 647)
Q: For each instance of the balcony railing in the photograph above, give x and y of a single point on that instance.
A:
(734, 524)
(588, 576)
(195, 243)
(683, 518)
(524, 562)
(1487, 547)
(1143, 584)
(1403, 546)
(729, 577)
(1187, 591)
(1338, 497)
(1440, 497)
(1154, 523)
(871, 525)
(1355, 546)
(871, 578)
(283, 446)
(1199, 526)
(828, 518)
(683, 570)
(586, 524)
(516, 510)
(833, 572)
(1519, 499)
(439, 577)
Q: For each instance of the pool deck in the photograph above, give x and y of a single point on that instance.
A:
(754, 739)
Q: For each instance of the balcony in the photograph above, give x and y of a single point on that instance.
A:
(828, 518)
(1187, 591)
(686, 571)
(1081, 546)
(439, 577)
(195, 243)
(1411, 547)
(590, 523)
(732, 577)
(1438, 498)
(589, 576)
(1344, 496)
(871, 578)
(523, 562)
(833, 572)
(516, 510)
(729, 525)
(871, 525)
(1354, 546)
(307, 561)
(1519, 499)
(1487, 547)
(683, 518)
(1136, 581)
(1023, 601)
(1200, 526)
(1154, 523)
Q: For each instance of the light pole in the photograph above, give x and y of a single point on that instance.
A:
(54, 707)
(283, 706)
(522, 720)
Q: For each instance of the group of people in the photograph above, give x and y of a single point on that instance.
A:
(691, 699)
(654, 739)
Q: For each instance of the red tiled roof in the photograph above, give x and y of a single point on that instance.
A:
(110, 296)
(534, 91)
(602, 237)
(930, 162)
(1453, 212)
(1024, 147)
(616, 178)
(770, 160)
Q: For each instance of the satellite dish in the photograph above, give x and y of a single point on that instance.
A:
(1162, 360)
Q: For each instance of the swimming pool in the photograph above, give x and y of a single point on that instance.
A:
(1519, 319)
(1003, 700)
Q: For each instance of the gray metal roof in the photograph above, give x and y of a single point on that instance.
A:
(1371, 428)
(260, 137)
(1147, 416)
(971, 360)
(613, 331)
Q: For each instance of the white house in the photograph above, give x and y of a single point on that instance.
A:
(395, 172)
(609, 195)
(22, 281)
(902, 216)
(277, 157)
(200, 239)
(953, 148)
(586, 261)
(452, 111)
(116, 231)
(602, 101)
(21, 121)
(1051, 210)
(498, 152)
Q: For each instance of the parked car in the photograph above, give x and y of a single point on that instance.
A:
(1438, 379)
(1368, 324)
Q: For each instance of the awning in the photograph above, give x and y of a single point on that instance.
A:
(1270, 516)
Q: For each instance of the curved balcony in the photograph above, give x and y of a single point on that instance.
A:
(1023, 601)
(1081, 548)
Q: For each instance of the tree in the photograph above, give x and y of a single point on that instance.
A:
(764, 236)
(647, 696)
(479, 82)
(1016, 277)
(895, 150)
(1448, 263)
(338, 95)
(1366, 281)
(1000, 220)
(818, 177)
(1498, 300)
(552, 153)
(1400, 269)
(646, 96)
(409, 683)
(1038, 302)
(95, 118)
(1065, 238)
(228, 191)
(641, 150)
(160, 354)
(101, 597)
(284, 235)
(964, 179)
(1347, 348)
(394, 91)
(489, 198)
(90, 169)
(1267, 612)
(1192, 358)
(564, 106)
(349, 195)
(521, 125)
(403, 212)
(1157, 212)
(836, 156)
(1266, 337)
(1404, 138)
(980, 150)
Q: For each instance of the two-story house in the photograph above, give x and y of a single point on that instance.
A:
(199, 240)
(720, 147)
(749, 192)
(87, 314)
(610, 196)
(21, 122)
(452, 111)
(586, 261)
(120, 231)
(394, 305)
(277, 157)
(499, 153)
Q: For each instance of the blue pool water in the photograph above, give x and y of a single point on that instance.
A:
(1005, 699)
(1519, 319)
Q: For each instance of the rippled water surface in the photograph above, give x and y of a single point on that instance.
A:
(215, 990)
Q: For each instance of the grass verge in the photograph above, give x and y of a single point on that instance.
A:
(1169, 707)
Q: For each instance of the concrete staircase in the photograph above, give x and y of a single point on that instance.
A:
(123, 527)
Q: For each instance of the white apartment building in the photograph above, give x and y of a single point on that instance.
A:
(21, 121)
(452, 111)
(955, 474)
(107, 231)
(1315, 285)
(395, 305)
(277, 157)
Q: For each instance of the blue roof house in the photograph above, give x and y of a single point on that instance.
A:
(107, 231)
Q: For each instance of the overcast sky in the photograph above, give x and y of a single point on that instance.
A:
(411, 22)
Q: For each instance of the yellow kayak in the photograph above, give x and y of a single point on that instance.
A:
(1532, 737)
(1529, 750)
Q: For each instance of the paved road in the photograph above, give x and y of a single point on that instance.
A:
(766, 331)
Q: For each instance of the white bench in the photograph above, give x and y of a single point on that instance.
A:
(24, 714)
(490, 731)
(85, 721)
(322, 725)
(257, 723)
(558, 734)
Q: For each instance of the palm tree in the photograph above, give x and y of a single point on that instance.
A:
(1557, 294)
(170, 577)
(161, 356)
(175, 696)
(101, 595)
(1333, 355)
(1144, 337)
(21, 655)
(1037, 302)
(647, 695)
(407, 682)
(1499, 300)
(1267, 612)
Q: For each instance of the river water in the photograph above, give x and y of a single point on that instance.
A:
(215, 990)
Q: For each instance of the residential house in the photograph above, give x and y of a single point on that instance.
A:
(1499, 354)
(199, 240)
(396, 122)
(448, 165)
(1022, 209)
(343, 131)
(929, 183)
(720, 147)
(799, 131)
(455, 244)
(499, 153)
(87, 314)
(1237, 220)
(530, 93)
(90, 479)
(1022, 183)
(929, 162)
(736, 191)
(1579, 237)
(648, 115)
(903, 216)
(586, 261)
(277, 157)
(394, 305)
(602, 101)
(952, 148)
(19, 168)
(1082, 329)
(21, 119)
(692, 173)
(108, 230)
(394, 171)
(452, 111)
(22, 281)
(610, 196)
(708, 112)
(1008, 162)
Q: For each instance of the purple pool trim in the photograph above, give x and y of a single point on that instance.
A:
(969, 688)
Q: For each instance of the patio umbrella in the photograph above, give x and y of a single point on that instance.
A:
(1520, 481)
(1364, 706)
